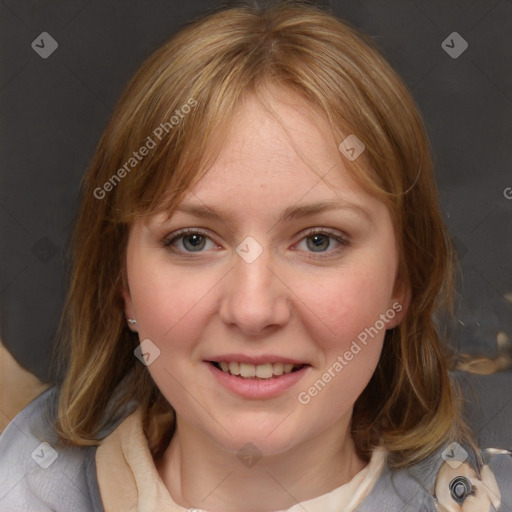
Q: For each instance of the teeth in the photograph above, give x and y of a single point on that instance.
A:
(234, 369)
(247, 370)
(262, 371)
(278, 368)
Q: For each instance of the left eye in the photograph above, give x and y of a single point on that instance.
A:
(320, 242)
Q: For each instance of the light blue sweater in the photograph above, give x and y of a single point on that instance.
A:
(37, 475)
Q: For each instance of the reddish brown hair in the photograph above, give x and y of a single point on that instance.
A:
(409, 403)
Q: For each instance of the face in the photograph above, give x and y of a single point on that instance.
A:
(276, 265)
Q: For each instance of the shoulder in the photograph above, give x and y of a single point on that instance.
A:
(448, 479)
(36, 473)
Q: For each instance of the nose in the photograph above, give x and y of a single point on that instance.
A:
(255, 299)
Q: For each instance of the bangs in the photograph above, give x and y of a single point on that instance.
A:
(178, 108)
(167, 130)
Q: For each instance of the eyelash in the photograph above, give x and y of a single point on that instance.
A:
(344, 243)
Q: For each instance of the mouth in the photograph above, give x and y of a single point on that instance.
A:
(263, 371)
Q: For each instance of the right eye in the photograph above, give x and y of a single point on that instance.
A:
(189, 241)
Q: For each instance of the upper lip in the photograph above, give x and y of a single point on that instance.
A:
(256, 360)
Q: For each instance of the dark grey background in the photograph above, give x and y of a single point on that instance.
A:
(54, 110)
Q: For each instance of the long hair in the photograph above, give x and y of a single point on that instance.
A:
(177, 106)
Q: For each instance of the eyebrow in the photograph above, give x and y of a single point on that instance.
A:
(290, 213)
(300, 211)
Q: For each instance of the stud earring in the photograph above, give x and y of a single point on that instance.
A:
(131, 321)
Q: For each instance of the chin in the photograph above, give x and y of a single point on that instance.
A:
(265, 434)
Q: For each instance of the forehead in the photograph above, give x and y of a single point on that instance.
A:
(278, 149)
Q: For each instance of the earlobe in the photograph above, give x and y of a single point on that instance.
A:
(129, 311)
(396, 314)
(399, 304)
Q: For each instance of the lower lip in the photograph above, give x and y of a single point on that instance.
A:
(258, 388)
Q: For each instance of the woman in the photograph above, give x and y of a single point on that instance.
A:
(258, 260)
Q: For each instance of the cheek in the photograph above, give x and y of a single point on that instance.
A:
(171, 307)
(172, 312)
(344, 319)
(346, 304)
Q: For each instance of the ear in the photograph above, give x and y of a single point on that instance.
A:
(400, 301)
(129, 310)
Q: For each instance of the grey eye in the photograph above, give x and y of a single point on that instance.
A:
(318, 243)
(194, 242)
(460, 489)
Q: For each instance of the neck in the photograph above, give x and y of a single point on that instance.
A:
(200, 473)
